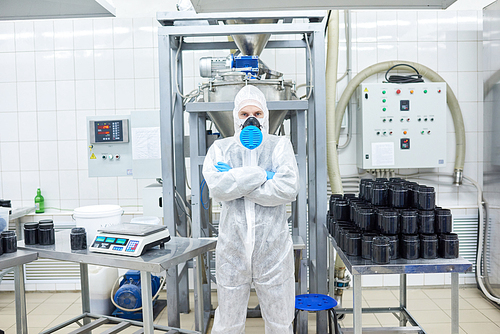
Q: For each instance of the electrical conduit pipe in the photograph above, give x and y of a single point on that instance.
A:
(456, 113)
(331, 138)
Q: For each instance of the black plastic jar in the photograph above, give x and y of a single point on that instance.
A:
(339, 225)
(394, 246)
(426, 198)
(444, 221)
(78, 238)
(390, 222)
(333, 199)
(380, 214)
(410, 246)
(353, 243)
(9, 241)
(399, 196)
(367, 220)
(366, 245)
(381, 250)
(413, 194)
(448, 246)
(368, 190)
(345, 238)
(428, 246)
(31, 233)
(380, 194)
(46, 233)
(409, 222)
(426, 222)
(341, 210)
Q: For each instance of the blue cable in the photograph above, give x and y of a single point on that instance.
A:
(202, 185)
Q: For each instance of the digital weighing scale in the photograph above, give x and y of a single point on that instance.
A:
(129, 239)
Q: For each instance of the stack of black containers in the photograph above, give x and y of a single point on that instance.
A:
(391, 219)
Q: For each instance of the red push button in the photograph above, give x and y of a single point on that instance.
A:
(398, 91)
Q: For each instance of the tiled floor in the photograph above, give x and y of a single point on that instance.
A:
(431, 308)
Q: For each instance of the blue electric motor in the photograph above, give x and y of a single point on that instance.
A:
(128, 296)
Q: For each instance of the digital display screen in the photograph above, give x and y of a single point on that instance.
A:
(100, 239)
(121, 241)
(110, 240)
(404, 105)
(108, 131)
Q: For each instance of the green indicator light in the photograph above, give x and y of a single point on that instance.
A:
(425, 91)
(402, 119)
(384, 109)
(383, 120)
(384, 100)
(383, 92)
(385, 132)
(422, 132)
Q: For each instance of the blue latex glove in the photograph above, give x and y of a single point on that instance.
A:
(222, 166)
(269, 175)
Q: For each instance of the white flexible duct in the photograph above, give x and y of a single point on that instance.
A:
(456, 113)
(331, 94)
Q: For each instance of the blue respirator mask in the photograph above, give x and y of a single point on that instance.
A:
(251, 135)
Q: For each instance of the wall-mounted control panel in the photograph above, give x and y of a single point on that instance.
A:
(401, 125)
(109, 148)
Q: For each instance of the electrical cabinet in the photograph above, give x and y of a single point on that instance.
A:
(401, 125)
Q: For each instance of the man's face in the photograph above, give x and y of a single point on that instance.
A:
(250, 110)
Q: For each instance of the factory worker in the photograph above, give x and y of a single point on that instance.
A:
(254, 175)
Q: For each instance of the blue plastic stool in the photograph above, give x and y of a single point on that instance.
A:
(316, 302)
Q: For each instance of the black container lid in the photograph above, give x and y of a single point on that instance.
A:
(410, 237)
(369, 236)
(425, 189)
(428, 237)
(448, 236)
(46, 221)
(381, 240)
(426, 213)
(391, 237)
(5, 203)
(442, 212)
(379, 185)
(31, 226)
(46, 225)
(408, 213)
(78, 230)
(8, 234)
(353, 233)
(390, 213)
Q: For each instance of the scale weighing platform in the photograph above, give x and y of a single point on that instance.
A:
(129, 239)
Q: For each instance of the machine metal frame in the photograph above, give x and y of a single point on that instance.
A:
(308, 136)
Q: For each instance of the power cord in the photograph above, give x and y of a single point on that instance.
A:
(404, 78)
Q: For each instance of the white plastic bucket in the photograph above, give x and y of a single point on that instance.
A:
(101, 281)
(95, 217)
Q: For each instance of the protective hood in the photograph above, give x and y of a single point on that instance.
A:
(250, 95)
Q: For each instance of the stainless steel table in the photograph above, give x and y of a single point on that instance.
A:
(358, 267)
(17, 260)
(176, 251)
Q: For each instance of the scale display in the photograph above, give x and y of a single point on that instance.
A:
(129, 239)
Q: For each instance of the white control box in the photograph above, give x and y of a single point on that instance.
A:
(401, 125)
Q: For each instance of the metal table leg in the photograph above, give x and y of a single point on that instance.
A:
(84, 284)
(199, 314)
(147, 302)
(21, 319)
(454, 304)
(357, 304)
(402, 299)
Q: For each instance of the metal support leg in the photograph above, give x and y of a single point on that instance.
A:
(402, 299)
(147, 302)
(357, 304)
(454, 304)
(21, 319)
(198, 294)
(84, 284)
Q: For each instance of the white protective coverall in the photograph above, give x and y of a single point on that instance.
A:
(254, 243)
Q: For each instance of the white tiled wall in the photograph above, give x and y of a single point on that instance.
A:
(54, 73)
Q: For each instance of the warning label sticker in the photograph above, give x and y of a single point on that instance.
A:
(93, 156)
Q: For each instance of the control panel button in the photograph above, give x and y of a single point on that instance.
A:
(425, 91)
(384, 109)
(411, 91)
(110, 157)
(104, 157)
(405, 143)
(384, 100)
(398, 91)
(405, 132)
(117, 156)
(383, 92)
